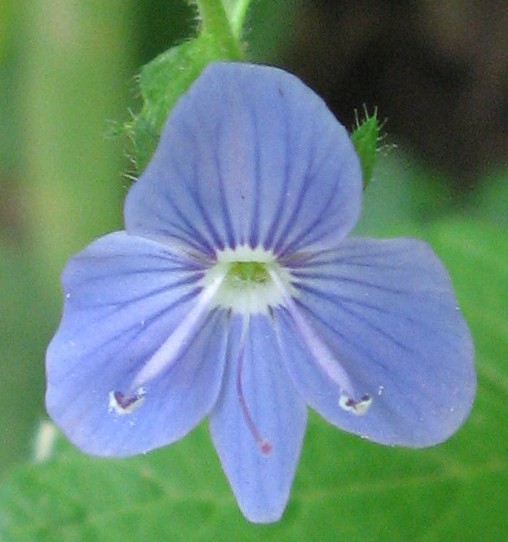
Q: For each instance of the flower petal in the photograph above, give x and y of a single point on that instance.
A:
(387, 310)
(249, 155)
(125, 297)
(260, 481)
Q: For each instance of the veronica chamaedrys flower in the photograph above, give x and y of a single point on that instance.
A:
(234, 293)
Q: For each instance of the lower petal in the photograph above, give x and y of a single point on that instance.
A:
(258, 423)
(124, 297)
(387, 311)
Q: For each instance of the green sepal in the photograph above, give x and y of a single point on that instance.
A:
(163, 80)
(365, 138)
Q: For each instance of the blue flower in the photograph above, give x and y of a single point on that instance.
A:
(235, 294)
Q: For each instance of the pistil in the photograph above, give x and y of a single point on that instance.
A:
(263, 444)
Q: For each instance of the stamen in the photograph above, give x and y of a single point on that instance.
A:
(325, 359)
(263, 444)
(166, 355)
(317, 348)
(169, 352)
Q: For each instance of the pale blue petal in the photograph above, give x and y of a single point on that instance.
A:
(387, 311)
(260, 482)
(124, 296)
(250, 155)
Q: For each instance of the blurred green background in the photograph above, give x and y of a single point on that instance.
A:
(437, 71)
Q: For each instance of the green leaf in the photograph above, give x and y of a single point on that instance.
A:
(345, 489)
(365, 138)
(163, 80)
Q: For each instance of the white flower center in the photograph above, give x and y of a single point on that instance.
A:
(248, 287)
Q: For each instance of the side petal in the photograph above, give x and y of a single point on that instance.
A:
(387, 311)
(124, 298)
(258, 423)
(249, 155)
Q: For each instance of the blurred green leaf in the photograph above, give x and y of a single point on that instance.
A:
(345, 489)
(63, 76)
(74, 81)
(271, 30)
(403, 197)
(491, 199)
(24, 323)
(6, 14)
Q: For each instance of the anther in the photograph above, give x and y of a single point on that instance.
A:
(356, 407)
(319, 350)
(125, 404)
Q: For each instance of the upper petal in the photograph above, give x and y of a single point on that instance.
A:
(257, 386)
(387, 311)
(249, 155)
(124, 298)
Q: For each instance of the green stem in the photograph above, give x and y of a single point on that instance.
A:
(215, 22)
